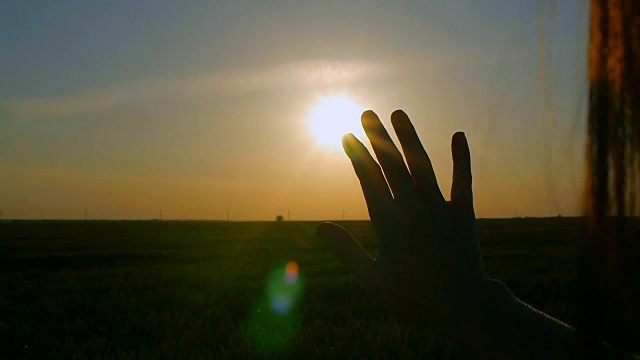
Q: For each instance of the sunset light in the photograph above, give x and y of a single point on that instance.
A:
(332, 117)
(319, 179)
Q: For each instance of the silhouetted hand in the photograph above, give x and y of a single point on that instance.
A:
(429, 264)
(428, 251)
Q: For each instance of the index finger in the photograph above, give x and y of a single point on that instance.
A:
(374, 187)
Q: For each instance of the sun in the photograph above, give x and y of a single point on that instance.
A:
(332, 117)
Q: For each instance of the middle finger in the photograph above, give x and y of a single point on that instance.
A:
(389, 157)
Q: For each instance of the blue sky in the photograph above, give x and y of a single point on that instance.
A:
(127, 107)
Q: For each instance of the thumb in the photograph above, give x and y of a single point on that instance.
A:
(354, 257)
(358, 261)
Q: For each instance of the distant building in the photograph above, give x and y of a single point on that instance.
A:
(279, 218)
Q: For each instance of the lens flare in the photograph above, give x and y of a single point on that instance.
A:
(275, 320)
(282, 289)
(281, 304)
(291, 272)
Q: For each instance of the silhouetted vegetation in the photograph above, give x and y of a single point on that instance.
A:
(185, 289)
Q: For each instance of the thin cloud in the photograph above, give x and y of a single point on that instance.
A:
(293, 76)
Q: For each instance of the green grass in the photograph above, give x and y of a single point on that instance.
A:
(148, 290)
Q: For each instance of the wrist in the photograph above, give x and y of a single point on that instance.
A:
(493, 323)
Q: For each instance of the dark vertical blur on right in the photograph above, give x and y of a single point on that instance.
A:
(609, 299)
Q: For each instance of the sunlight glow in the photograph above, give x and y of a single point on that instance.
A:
(333, 117)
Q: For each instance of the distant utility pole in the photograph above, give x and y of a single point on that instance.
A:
(227, 215)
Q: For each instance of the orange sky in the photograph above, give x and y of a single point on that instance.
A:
(124, 110)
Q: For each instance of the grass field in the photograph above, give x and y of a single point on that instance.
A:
(190, 290)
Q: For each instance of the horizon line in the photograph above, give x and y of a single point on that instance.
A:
(244, 221)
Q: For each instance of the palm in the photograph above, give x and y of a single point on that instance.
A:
(428, 250)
